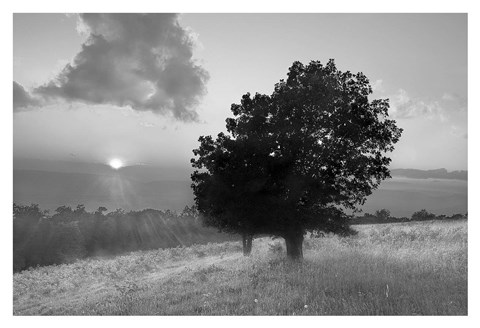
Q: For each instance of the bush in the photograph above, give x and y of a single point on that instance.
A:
(383, 214)
(423, 215)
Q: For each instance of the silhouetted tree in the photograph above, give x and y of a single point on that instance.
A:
(63, 214)
(28, 225)
(80, 210)
(458, 216)
(383, 214)
(189, 212)
(423, 215)
(295, 160)
(99, 212)
(227, 195)
(30, 212)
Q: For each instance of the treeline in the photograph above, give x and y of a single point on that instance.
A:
(384, 216)
(40, 238)
(70, 234)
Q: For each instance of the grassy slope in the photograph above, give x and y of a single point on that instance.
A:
(411, 268)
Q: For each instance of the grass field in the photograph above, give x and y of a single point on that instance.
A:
(387, 269)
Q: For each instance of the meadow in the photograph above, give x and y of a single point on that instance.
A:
(416, 268)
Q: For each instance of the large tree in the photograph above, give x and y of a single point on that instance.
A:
(296, 160)
(226, 194)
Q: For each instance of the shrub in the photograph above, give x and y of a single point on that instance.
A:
(423, 215)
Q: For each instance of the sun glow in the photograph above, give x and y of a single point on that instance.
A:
(115, 163)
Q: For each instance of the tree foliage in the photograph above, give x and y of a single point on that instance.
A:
(423, 215)
(383, 214)
(296, 160)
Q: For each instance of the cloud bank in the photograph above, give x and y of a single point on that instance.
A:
(22, 100)
(144, 61)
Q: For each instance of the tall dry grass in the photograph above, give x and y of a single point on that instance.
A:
(393, 269)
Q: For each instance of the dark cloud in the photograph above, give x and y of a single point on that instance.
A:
(138, 60)
(22, 99)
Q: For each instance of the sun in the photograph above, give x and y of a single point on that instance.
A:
(115, 163)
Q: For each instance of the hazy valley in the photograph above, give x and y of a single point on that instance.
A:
(138, 187)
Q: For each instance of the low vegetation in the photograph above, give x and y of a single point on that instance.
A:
(384, 216)
(71, 234)
(417, 268)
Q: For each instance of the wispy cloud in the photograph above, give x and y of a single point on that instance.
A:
(148, 125)
(404, 106)
(448, 97)
(143, 61)
(459, 101)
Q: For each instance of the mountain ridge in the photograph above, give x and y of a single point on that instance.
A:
(430, 174)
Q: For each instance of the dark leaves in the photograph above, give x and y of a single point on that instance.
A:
(317, 144)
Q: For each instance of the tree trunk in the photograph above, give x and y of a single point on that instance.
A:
(294, 243)
(247, 244)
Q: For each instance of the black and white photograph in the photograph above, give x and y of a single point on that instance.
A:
(238, 163)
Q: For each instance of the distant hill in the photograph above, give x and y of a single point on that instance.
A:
(138, 172)
(404, 196)
(142, 186)
(53, 189)
(430, 174)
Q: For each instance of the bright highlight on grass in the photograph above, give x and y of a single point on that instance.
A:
(115, 163)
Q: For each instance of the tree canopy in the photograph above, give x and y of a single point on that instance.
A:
(296, 160)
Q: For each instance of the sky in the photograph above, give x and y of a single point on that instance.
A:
(143, 88)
